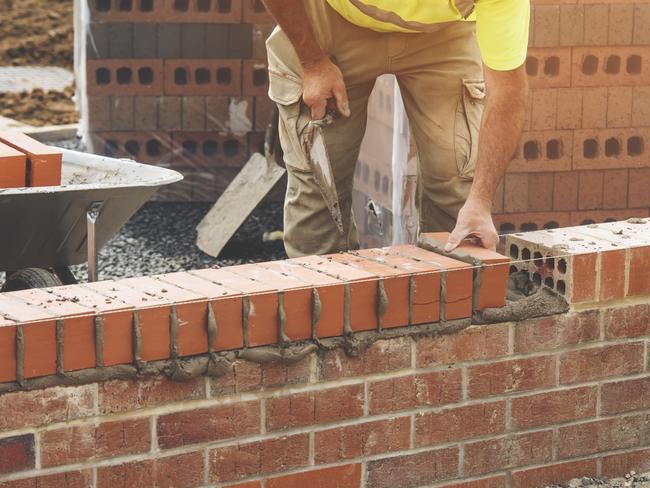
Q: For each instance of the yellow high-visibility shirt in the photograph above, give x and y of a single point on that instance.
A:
(501, 25)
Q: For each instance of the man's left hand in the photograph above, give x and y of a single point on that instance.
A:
(474, 220)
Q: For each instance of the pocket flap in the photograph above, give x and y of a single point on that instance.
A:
(283, 88)
(475, 89)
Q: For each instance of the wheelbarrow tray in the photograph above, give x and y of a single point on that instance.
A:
(45, 227)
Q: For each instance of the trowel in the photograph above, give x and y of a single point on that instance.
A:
(244, 193)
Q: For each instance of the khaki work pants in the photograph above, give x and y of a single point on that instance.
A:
(440, 77)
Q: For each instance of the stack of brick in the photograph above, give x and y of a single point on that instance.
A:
(26, 162)
(584, 154)
(178, 83)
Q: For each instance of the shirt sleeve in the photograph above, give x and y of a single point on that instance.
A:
(502, 32)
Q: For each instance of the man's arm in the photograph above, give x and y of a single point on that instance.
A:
(501, 126)
(322, 79)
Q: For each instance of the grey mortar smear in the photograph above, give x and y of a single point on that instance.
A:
(215, 365)
(316, 310)
(382, 302)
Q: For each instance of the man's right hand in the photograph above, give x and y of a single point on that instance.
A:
(323, 80)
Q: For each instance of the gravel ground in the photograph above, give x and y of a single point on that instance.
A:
(630, 480)
(161, 238)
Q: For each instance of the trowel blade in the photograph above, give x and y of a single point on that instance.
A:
(255, 180)
(322, 170)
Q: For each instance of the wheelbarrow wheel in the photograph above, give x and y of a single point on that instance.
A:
(28, 278)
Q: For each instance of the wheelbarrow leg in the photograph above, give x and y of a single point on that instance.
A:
(92, 214)
(65, 275)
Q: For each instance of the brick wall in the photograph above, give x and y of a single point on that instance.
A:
(441, 403)
(179, 83)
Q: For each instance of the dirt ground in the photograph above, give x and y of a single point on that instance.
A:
(37, 33)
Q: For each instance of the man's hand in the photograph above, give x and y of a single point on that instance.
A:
(474, 220)
(322, 81)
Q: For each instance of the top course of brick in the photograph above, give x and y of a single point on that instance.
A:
(53, 333)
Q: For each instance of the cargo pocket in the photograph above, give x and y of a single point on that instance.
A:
(467, 124)
(286, 91)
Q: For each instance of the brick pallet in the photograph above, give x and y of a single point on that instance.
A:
(178, 83)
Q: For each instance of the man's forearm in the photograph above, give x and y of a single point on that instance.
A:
(503, 120)
(292, 17)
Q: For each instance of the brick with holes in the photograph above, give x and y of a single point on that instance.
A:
(202, 77)
(124, 76)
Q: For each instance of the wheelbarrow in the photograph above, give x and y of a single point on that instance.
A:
(43, 231)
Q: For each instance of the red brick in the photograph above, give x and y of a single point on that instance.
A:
(226, 305)
(540, 192)
(181, 471)
(381, 356)
(590, 194)
(145, 147)
(208, 424)
(203, 150)
(330, 294)
(39, 335)
(348, 476)
(515, 196)
(17, 453)
(638, 187)
(553, 408)
(216, 12)
(508, 452)
(507, 376)
(396, 287)
(457, 277)
(133, 13)
(603, 435)
(126, 475)
(493, 273)
(127, 395)
(628, 321)
(458, 423)
(259, 458)
(553, 474)
(615, 191)
(223, 77)
(316, 407)
(296, 298)
(625, 396)
(621, 77)
(596, 24)
(553, 67)
(362, 287)
(549, 333)
(639, 284)
(191, 312)
(43, 162)
(547, 25)
(620, 464)
(42, 407)
(601, 362)
(594, 111)
(255, 78)
(117, 318)
(619, 107)
(612, 275)
(248, 376)
(153, 316)
(69, 479)
(498, 481)
(78, 327)
(14, 167)
(471, 344)
(413, 470)
(424, 302)
(545, 107)
(362, 440)
(569, 108)
(124, 76)
(8, 345)
(539, 151)
(407, 392)
(583, 286)
(81, 443)
(263, 300)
